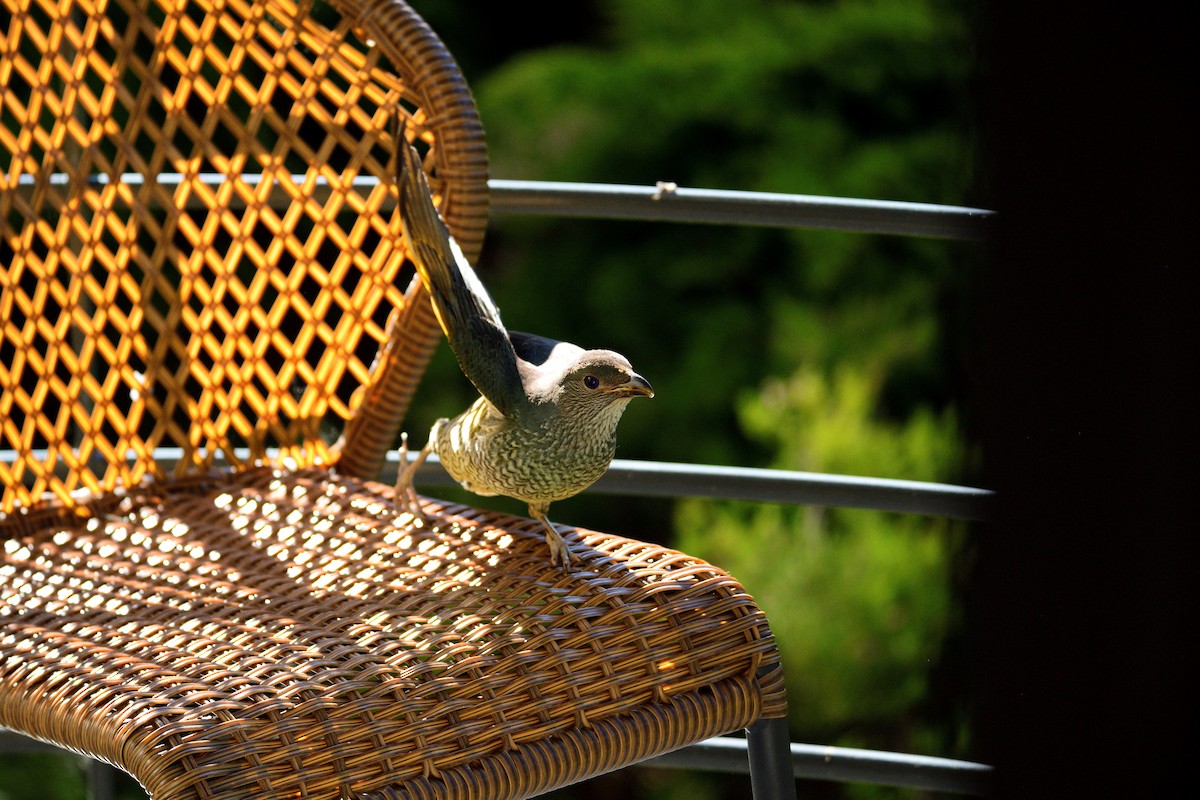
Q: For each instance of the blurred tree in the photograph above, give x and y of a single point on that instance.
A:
(854, 99)
(57, 775)
(42, 776)
(859, 600)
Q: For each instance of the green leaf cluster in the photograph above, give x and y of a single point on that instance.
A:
(859, 600)
(41, 776)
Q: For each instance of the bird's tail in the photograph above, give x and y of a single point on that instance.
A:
(463, 307)
(457, 293)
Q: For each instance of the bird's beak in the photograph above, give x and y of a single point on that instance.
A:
(636, 387)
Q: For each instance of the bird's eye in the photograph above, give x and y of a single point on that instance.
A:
(591, 381)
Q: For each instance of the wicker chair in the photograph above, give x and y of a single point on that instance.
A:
(209, 336)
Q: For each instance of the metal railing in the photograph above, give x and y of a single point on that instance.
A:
(842, 764)
(665, 479)
(663, 202)
(667, 202)
(719, 754)
(638, 478)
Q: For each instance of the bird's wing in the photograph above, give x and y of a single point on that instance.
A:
(541, 351)
(542, 362)
(466, 312)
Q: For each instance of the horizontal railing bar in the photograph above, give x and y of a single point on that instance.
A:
(664, 479)
(729, 754)
(770, 209)
(662, 202)
(845, 764)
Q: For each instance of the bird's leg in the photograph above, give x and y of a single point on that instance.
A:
(559, 554)
(406, 500)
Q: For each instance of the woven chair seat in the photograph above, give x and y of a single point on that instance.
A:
(190, 264)
(275, 633)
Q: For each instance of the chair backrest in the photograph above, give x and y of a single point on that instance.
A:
(198, 241)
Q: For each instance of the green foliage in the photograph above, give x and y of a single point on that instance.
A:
(42, 776)
(828, 424)
(57, 775)
(758, 95)
(851, 99)
(859, 600)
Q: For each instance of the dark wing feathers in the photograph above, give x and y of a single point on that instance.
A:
(466, 312)
(537, 349)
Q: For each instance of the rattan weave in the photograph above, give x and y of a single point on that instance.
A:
(139, 315)
(276, 634)
(268, 629)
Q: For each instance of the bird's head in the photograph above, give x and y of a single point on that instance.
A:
(599, 384)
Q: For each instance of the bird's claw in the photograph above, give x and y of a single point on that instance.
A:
(560, 554)
(408, 508)
(407, 501)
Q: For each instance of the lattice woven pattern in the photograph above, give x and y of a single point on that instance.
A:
(187, 256)
(279, 635)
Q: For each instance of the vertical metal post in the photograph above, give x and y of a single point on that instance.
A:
(100, 780)
(770, 749)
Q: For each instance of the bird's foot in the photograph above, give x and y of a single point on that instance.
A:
(560, 554)
(408, 503)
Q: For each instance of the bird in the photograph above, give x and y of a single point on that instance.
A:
(544, 426)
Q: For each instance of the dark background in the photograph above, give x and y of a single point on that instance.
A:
(1090, 583)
